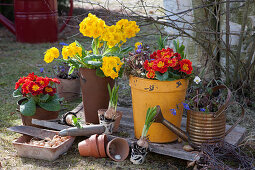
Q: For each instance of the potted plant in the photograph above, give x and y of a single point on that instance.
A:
(69, 87)
(206, 105)
(100, 66)
(141, 147)
(40, 100)
(108, 117)
(158, 78)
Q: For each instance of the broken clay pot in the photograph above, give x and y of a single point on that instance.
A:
(117, 149)
(89, 147)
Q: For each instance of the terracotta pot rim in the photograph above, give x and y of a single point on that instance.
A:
(123, 157)
(102, 146)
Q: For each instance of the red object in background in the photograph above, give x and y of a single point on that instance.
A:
(36, 21)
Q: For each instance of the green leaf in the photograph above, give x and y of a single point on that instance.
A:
(175, 45)
(44, 98)
(126, 50)
(115, 49)
(28, 108)
(94, 63)
(70, 71)
(174, 76)
(17, 93)
(165, 76)
(159, 76)
(99, 72)
(51, 105)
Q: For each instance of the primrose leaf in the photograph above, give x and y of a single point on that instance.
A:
(28, 108)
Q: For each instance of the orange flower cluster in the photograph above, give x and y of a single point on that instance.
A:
(164, 60)
(34, 85)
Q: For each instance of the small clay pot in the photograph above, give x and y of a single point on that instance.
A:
(88, 147)
(117, 120)
(101, 145)
(118, 147)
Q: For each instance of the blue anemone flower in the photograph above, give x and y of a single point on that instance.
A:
(41, 70)
(186, 106)
(173, 111)
(202, 110)
(138, 51)
(62, 43)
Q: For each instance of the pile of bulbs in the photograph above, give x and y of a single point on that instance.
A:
(47, 142)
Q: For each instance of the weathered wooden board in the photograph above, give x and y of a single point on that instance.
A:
(173, 149)
(126, 128)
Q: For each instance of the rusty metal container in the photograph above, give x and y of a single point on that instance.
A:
(203, 127)
(39, 152)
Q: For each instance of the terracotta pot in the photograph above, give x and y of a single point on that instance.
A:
(95, 93)
(117, 121)
(69, 89)
(40, 114)
(88, 147)
(118, 147)
(101, 145)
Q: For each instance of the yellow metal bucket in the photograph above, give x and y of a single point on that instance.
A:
(149, 93)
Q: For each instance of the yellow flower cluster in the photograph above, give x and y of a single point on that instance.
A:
(71, 50)
(92, 26)
(111, 66)
(128, 28)
(120, 32)
(50, 54)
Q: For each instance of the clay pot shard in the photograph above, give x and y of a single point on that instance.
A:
(89, 147)
(117, 149)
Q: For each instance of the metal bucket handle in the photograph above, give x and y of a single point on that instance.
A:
(226, 104)
(238, 121)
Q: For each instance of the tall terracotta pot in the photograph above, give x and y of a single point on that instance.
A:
(149, 93)
(40, 114)
(95, 93)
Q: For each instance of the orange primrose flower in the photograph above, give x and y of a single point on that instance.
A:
(150, 74)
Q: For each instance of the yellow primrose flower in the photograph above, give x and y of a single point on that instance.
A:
(71, 51)
(111, 66)
(92, 26)
(50, 54)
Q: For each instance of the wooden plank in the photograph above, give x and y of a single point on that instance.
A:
(173, 149)
(50, 125)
